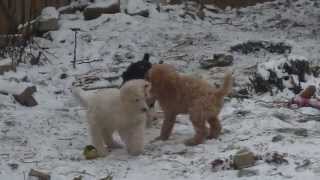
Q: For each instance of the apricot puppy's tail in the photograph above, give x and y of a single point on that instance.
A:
(226, 88)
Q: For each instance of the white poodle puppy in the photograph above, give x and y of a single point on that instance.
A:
(111, 110)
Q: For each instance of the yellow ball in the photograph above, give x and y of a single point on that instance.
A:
(90, 152)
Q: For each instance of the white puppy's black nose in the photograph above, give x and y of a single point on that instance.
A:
(144, 109)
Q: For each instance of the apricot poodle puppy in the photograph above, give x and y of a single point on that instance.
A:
(182, 94)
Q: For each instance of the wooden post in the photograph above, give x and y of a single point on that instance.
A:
(75, 30)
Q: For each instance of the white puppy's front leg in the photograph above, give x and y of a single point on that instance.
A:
(96, 138)
(134, 138)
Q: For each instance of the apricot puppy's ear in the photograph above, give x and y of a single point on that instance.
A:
(147, 89)
(147, 75)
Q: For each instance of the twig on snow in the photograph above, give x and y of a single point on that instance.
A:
(84, 172)
(100, 87)
(90, 61)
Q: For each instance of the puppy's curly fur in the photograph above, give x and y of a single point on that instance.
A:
(182, 94)
(111, 110)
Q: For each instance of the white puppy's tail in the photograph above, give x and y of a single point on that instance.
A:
(80, 95)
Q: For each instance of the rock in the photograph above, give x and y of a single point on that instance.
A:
(247, 173)
(137, 7)
(277, 138)
(10, 123)
(243, 159)
(108, 177)
(48, 20)
(218, 60)
(78, 178)
(36, 60)
(221, 164)
(26, 98)
(105, 7)
(276, 158)
(118, 57)
(129, 55)
(63, 76)
(301, 132)
(281, 116)
(13, 166)
(25, 79)
(6, 65)
(243, 92)
(38, 175)
(303, 166)
(296, 131)
(242, 112)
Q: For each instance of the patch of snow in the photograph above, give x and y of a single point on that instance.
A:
(6, 61)
(103, 3)
(49, 13)
(135, 6)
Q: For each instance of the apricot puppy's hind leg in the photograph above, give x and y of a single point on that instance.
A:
(215, 127)
(200, 128)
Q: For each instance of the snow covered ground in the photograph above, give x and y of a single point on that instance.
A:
(50, 137)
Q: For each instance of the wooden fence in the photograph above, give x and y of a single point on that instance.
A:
(15, 12)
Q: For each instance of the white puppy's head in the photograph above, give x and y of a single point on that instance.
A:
(134, 94)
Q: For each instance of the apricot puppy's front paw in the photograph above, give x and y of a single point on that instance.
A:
(159, 138)
(192, 142)
(213, 135)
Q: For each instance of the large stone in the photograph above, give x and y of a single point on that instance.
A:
(26, 98)
(104, 7)
(243, 159)
(277, 138)
(218, 60)
(48, 20)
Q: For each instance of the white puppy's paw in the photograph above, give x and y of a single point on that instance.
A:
(115, 145)
(102, 152)
(135, 152)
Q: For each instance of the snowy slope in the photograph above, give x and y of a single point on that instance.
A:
(50, 137)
